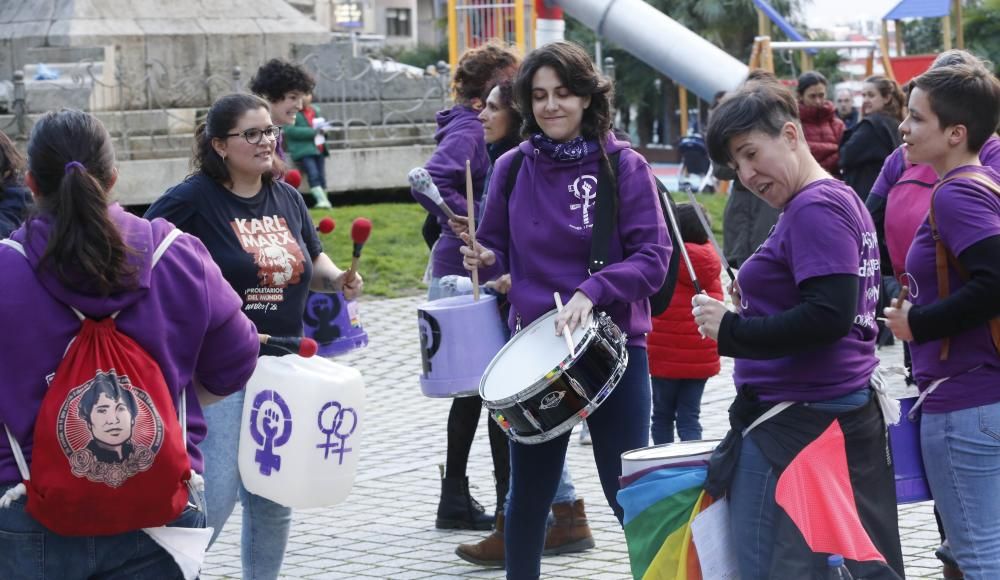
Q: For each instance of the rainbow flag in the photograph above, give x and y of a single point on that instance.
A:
(659, 508)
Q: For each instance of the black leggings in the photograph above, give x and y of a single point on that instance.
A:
(462, 423)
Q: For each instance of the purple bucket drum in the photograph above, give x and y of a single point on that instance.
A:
(333, 322)
(458, 339)
(908, 463)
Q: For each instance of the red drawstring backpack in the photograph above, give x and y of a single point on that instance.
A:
(109, 454)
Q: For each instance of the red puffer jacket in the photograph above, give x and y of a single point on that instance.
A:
(676, 350)
(823, 129)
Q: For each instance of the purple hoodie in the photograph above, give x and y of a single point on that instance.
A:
(183, 313)
(459, 137)
(542, 237)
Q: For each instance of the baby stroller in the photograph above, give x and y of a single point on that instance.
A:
(696, 166)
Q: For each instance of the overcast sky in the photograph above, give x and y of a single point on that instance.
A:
(820, 13)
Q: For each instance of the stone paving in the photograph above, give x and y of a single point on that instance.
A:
(385, 528)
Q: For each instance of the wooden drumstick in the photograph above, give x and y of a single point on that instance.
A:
(472, 225)
(566, 333)
(904, 293)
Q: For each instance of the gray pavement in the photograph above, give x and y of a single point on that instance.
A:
(385, 528)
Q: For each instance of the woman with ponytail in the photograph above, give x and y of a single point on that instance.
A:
(541, 235)
(82, 251)
(258, 230)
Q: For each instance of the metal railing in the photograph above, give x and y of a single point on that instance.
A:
(152, 111)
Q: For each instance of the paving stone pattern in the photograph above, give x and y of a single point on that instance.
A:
(385, 528)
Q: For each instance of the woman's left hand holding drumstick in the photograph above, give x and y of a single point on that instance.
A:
(708, 313)
(897, 316)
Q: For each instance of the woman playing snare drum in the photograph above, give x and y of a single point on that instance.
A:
(541, 234)
(804, 333)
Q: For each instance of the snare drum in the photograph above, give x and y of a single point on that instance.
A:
(535, 390)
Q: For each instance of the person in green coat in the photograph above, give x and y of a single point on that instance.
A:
(308, 155)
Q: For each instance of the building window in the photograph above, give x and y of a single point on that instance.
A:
(397, 22)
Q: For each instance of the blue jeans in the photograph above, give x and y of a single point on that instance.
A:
(676, 400)
(565, 492)
(265, 523)
(751, 496)
(620, 424)
(961, 451)
(314, 168)
(28, 551)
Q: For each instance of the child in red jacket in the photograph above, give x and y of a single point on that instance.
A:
(680, 360)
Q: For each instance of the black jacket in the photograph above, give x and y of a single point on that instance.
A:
(865, 148)
(15, 199)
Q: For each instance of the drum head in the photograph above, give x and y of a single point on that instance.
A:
(527, 358)
(667, 454)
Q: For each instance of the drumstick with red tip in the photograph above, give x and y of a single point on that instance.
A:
(361, 228)
(470, 202)
(422, 183)
(326, 225)
(300, 345)
(293, 177)
(565, 332)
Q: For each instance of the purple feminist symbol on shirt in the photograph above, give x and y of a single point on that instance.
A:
(333, 419)
(272, 431)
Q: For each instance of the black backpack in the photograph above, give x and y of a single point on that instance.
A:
(606, 214)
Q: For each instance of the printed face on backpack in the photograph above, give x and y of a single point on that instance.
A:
(557, 111)
(111, 423)
(109, 430)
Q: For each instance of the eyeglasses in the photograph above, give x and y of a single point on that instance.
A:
(253, 135)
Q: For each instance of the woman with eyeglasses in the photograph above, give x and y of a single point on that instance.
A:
(259, 232)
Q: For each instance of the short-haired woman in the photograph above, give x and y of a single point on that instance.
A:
(803, 336)
(951, 319)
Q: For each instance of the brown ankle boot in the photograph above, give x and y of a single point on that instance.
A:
(489, 551)
(570, 531)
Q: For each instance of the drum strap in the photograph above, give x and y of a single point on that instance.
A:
(768, 414)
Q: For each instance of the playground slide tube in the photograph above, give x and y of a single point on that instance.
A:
(662, 43)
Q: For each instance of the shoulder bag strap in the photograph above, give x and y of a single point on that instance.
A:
(943, 257)
(605, 212)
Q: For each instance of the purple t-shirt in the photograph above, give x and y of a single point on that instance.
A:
(823, 230)
(965, 212)
(895, 165)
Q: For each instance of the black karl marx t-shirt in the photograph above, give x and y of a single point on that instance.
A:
(264, 245)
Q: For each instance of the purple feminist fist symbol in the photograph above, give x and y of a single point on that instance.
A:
(337, 417)
(274, 429)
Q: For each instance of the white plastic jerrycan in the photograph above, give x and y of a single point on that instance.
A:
(301, 430)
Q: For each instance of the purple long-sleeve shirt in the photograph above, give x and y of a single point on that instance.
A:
(183, 313)
(542, 234)
(459, 137)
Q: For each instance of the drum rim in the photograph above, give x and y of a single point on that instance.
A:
(550, 375)
(691, 443)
